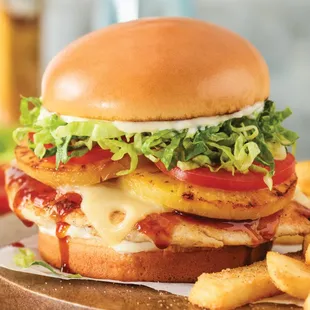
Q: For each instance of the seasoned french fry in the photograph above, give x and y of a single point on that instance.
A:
(290, 275)
(306, 249)
(303, 174)
(232, 288)
(307, 303)
(289, 240)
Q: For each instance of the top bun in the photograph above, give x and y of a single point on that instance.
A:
(155, 69)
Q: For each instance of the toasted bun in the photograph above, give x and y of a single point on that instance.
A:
(156, 69)
(163, 265)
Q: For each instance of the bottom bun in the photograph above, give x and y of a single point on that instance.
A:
(89, 258)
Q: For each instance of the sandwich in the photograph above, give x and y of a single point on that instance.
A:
(155, 154)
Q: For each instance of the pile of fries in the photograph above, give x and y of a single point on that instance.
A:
(278, 274)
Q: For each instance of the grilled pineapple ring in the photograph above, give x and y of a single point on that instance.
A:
(151, 184)
(68, 174)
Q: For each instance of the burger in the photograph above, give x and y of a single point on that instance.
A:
(155, 154)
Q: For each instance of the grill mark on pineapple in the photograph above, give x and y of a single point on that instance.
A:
(62, 168)
(188, 196)
(139, 174)
(249, 204)
(279, 193)
(253, 203)
(24, 152)
(155, 172)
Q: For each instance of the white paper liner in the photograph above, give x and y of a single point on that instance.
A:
(7, 253)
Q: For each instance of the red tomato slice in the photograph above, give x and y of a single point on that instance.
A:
(96, 154)
(225, 180)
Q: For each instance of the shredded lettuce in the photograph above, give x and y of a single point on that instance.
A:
(236, 145)
(24, 258)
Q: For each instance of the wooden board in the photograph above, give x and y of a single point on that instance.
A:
(25, 291)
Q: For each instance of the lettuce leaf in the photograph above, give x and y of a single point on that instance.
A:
(236, 145)
(25, 258)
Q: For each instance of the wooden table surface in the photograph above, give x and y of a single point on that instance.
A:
(26, 291)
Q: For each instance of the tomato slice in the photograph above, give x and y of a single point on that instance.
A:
(95, 154)
(225, 180)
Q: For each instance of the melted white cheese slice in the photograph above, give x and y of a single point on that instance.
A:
(100, 201)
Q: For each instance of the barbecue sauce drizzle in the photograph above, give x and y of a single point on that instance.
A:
(63, 240)
(28, 189)
(63, 206)
(43, 196)
(158, 227)
(17, 245)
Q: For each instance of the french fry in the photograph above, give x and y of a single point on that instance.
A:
(232, 288)
(307, 303)
(306, 249)
(289, 240)
(290, 275)
(303, 174)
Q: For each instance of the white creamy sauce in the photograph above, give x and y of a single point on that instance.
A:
(134, 247)
(73, 231)
(122, 247)
(191, 124)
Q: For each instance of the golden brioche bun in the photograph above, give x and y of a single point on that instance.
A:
(155, 69)
(89, 258)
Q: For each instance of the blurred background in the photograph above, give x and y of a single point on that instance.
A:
(33, 31)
